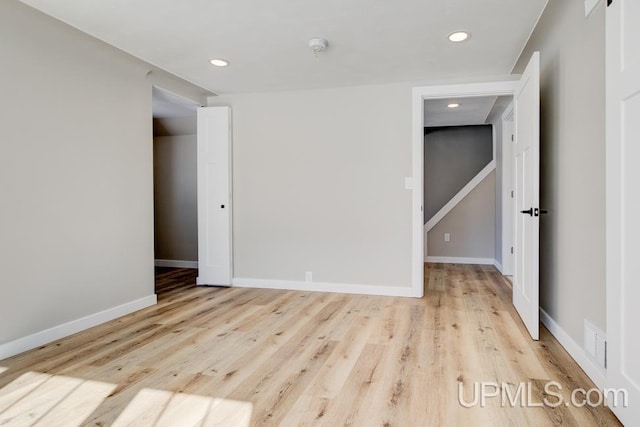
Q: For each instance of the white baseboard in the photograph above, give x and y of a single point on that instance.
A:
(342, 288)
(498, 265)
(589, 366)
(176, 263)
(29, 342)
(460, 260)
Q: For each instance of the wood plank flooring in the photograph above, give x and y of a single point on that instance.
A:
(247, 357)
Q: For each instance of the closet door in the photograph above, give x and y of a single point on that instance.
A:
(214, 196)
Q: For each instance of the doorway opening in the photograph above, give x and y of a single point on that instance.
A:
(525, 93)
(461, 180)
(174, 180)
(525, 160)
(431, 108)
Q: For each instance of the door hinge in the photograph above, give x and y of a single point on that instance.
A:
(512, 249)
(512, 138)
(512, 194)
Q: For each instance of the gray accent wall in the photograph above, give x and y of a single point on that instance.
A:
(452, 157)
(572, 175)
(471, 225)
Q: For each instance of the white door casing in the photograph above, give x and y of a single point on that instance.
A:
(214, 196)
(526, 164)
(419, 95)
(623, 204)
(507, 189)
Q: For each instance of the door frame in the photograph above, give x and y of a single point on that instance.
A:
(418, 96)
(508, 210)
(185, 101)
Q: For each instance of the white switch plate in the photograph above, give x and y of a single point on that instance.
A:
(447, 237)
(408, 183)
(308, 276)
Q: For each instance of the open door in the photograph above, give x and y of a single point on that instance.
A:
(214, 196)
(623, 207)
(526, 164)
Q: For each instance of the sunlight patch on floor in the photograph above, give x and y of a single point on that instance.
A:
(37, 399)
(2, 369)
(164, 408)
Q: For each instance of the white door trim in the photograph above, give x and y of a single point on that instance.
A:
(508, 212)
(419, 95)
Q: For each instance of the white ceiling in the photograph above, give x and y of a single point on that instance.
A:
(370, 41)
(472, 110)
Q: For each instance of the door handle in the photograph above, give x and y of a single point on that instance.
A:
(535, 212)
(538, 212)
(528, 211)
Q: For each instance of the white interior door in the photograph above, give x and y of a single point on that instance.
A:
(526, 164)
(623, 205)
(214, 196)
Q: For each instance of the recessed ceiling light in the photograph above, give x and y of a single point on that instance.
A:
(458, 36)
(219, 62)
(453, 105)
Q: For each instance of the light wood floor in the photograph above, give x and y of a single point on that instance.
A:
(239, 357)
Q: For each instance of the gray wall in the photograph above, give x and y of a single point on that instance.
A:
(76, 173)
(175, 183)
(175, 126)
(318, 182)
(572, 236)
(452, 157)
(471, 225)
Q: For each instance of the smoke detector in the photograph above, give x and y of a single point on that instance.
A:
(318, 45)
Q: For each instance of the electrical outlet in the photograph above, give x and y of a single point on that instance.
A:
(447, 237)
(308, 276)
